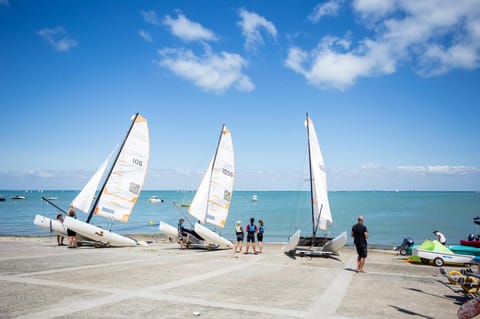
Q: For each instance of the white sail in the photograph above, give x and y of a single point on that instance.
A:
(127, 176)
(321, 206)
(84, 199)
(212, 199)
(199, 205)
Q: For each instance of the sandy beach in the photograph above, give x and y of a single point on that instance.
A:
(42, 280)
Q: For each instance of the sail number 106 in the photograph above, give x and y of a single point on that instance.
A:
(138, 162)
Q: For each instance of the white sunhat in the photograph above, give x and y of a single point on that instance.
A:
(239, 221)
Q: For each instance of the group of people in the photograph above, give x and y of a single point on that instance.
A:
(252, 230)
(72, 235)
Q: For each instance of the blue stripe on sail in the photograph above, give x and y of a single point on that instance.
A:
(210, 217)
(107, 210)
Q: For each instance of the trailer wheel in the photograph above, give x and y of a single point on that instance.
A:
(470, 285)
(454, 277)
(403, 252)
(438, 262)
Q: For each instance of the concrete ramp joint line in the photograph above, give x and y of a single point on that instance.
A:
(333, 295)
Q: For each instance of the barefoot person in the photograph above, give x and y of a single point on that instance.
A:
(72, 235)
(239, 233)
(360, 236)
(251, 231)
(60, 238)
(182, 234)
(261, 230)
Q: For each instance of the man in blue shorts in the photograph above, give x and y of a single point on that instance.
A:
(360, 236)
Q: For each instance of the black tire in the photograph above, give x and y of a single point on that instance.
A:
(438, 262)
(403, 252)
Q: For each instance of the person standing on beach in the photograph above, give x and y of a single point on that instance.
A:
(240, 234)
(251, 229)
(181, 233)
(72, 235)
(60, 238)
(261, 230)
(360, 236)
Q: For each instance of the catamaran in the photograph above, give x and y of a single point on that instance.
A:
(211, 202)
(118, 193)
(320, 208)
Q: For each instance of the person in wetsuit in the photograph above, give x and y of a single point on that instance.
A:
(251, 230)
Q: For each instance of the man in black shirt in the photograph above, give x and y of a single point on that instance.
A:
(360, 236)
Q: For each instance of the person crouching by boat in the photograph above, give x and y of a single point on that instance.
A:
(440, 237)
(182, 233)
(251, 229)
(240, 234)
(60, 238)
(72, 235)
(360, 236)
(261, 230)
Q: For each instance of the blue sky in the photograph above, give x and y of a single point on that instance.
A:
(392, 87)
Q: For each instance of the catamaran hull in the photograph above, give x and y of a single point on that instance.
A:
(330, 248)
(292, 243)
(52, 225)
(212, 238)
(168, 230)
(440, 258)
(194, 240)
(336, 244)
(98, 234)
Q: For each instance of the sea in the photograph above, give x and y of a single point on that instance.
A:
(390, 216)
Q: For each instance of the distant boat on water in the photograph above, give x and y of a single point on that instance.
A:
(19, 197)
(51, 197)
(2, 198)
(254, 198)
(155, 199)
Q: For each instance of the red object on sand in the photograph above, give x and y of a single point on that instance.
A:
(469, 309)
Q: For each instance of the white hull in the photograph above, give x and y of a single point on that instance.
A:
(336, 244)
(168, 230)
(49, 224)
(212, 238)
(445, 257)
(292, 243)
(99, 234)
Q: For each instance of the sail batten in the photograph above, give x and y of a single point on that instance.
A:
(212, 199)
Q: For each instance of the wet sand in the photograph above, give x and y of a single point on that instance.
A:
(39, 279)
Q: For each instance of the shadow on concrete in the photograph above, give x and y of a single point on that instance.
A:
(411, 313)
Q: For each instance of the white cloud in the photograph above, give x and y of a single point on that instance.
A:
(374, 8)
(439, 170)
(58, 38)
(251, 24)
(145, 36)
(211, 72)
(329, 8)
(188, 30)
(437, 36)
(150, 17)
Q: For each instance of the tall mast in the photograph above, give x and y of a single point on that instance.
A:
(314, 230)
(92, 210)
